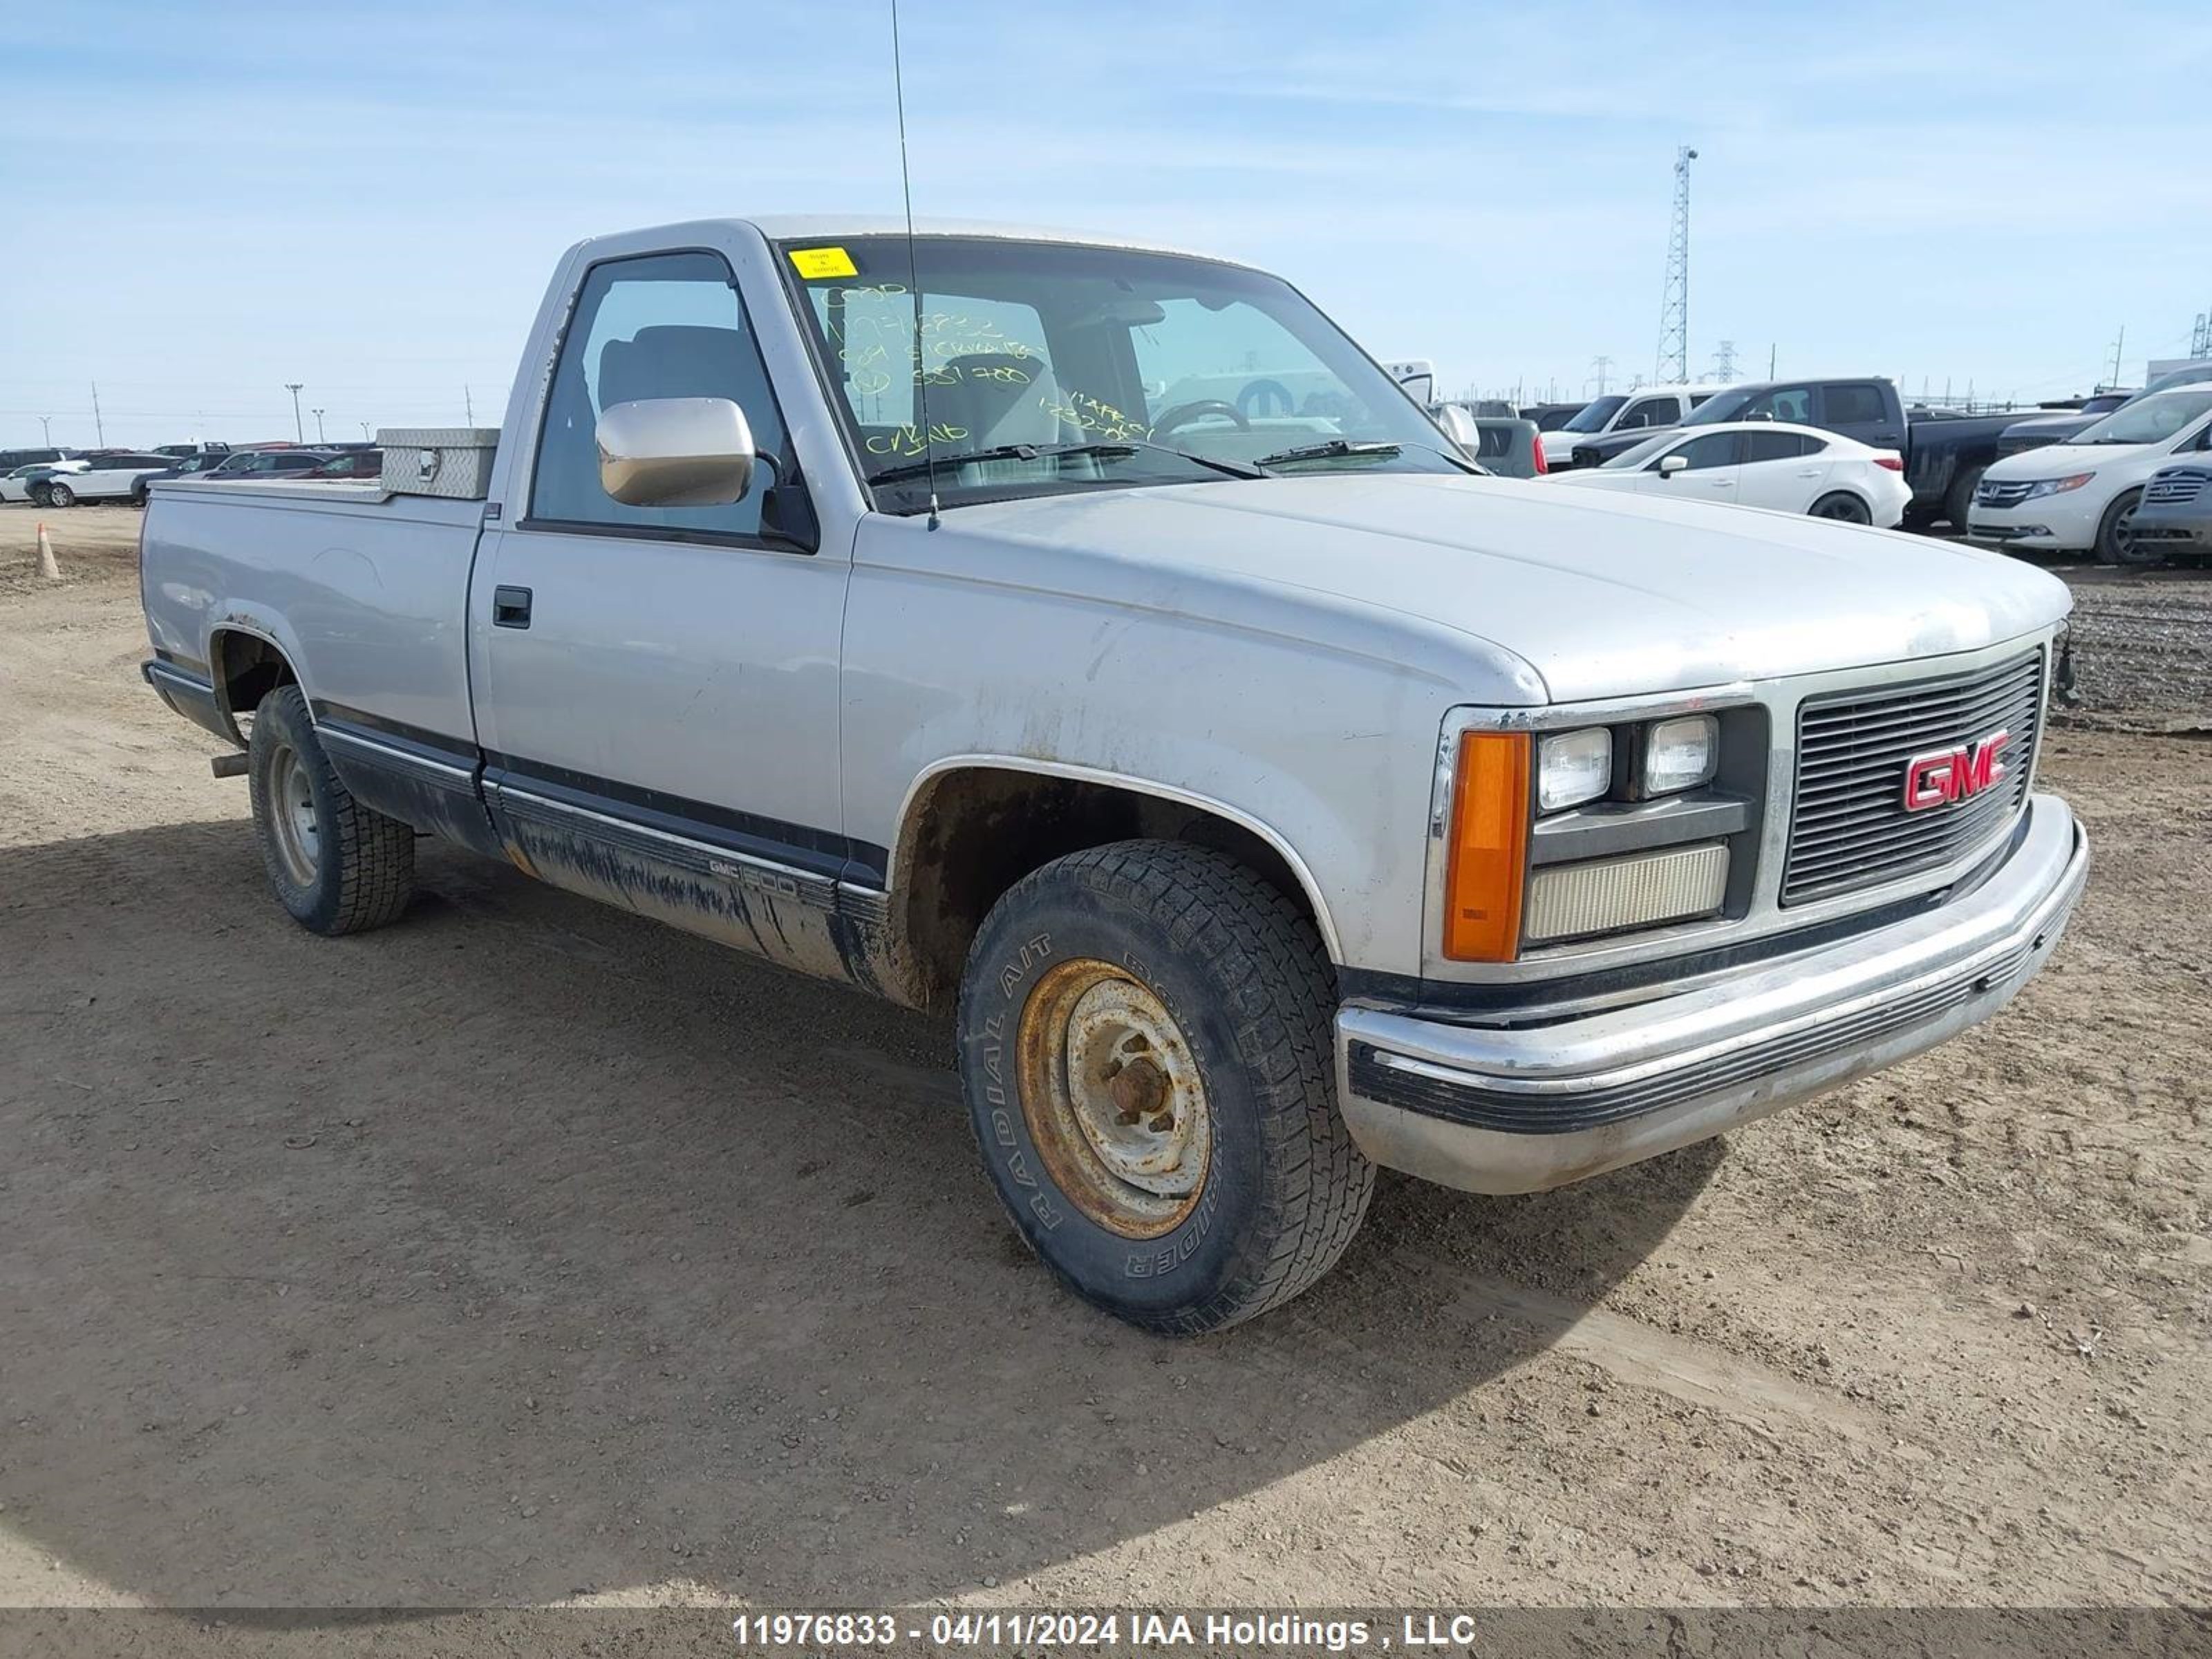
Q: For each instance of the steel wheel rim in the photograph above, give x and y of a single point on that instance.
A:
(1113, 1099)
(292, 817)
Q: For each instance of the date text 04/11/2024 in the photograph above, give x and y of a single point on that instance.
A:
(1018, 1628)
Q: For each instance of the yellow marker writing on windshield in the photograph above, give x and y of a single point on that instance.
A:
(815, 263)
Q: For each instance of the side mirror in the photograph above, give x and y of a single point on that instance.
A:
(1670, 465)
(1459, 426)
(675, 452)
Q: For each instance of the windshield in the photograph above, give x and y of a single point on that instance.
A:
(1048, 367)
(1593, 414)
(1722, 406)
(2149, 420)
(1628, 459)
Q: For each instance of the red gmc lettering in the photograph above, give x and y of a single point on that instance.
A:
(1951, 774)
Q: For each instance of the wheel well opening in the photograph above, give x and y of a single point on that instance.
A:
(980, 830)
(246, 670)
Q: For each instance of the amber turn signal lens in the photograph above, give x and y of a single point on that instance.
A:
(1484, 876)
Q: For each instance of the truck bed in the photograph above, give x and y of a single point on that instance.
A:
(377, 584)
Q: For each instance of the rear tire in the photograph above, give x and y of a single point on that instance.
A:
(2115, 545)
(1959, 498)
(338, 867)
(1843, 508)
(1146, 1045)
(60, 495)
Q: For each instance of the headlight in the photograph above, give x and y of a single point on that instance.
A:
(1680, 754)
(1573, 767)
(2056, 486)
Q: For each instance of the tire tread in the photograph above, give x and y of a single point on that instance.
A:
(374, 854)
(1277, 985)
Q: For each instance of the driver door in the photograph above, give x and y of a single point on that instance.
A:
(656, 687)
(1713, 472)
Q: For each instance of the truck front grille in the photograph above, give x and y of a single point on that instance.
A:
(2172, 489)
(1850, 827)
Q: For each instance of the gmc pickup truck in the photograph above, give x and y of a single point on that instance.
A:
(1089, 640)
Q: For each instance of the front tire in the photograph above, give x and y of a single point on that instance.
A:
(1146, 1047)
(338, 867)
(2115, 544)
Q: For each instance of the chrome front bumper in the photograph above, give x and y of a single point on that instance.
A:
(1500, 1110)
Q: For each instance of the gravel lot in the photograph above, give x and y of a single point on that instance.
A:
(526, 1252)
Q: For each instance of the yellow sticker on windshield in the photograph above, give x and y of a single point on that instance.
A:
(815, 263)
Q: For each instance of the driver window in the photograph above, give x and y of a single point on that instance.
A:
(1792, 404)
(660, 326)
(1712, 450)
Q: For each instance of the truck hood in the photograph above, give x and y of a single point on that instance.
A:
(1603, 594)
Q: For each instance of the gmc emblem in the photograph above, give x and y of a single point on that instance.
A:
(1944, 776)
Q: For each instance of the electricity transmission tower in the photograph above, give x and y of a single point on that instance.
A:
(1674, 302)
(2199, 338)
(1725, 362)
(1604, 366)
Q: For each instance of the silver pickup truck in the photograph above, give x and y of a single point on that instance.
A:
(1090, 642)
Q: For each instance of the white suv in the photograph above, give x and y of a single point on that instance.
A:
(2081, 496)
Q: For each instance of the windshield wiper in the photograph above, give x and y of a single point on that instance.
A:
(1328, 451)
(1119, 446)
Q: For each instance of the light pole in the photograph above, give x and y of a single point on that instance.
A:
(318, 425)
(298, 430)
(364, 431)
(47, 430)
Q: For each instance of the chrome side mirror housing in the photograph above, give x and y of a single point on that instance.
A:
(1459, 426)
(675, 452)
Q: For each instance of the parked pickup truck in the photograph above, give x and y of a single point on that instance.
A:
(1262, 791)
(1944, 454)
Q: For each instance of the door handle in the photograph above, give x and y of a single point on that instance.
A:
(510, 607)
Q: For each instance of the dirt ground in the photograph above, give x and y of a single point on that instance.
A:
(528, 1253)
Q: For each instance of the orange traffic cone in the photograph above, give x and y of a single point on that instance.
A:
(47, 568)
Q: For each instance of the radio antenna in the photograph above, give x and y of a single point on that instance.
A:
(912, 278)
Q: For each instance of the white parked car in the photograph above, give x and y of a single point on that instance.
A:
(1771, 464)
(1653, 406)
(2081, 496)
(16, 486)
(104, 478)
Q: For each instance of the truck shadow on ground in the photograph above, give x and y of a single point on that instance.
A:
(527, 1249)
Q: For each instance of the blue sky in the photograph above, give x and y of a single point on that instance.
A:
(210, 200)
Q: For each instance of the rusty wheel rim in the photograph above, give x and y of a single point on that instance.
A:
(1113, 1099)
